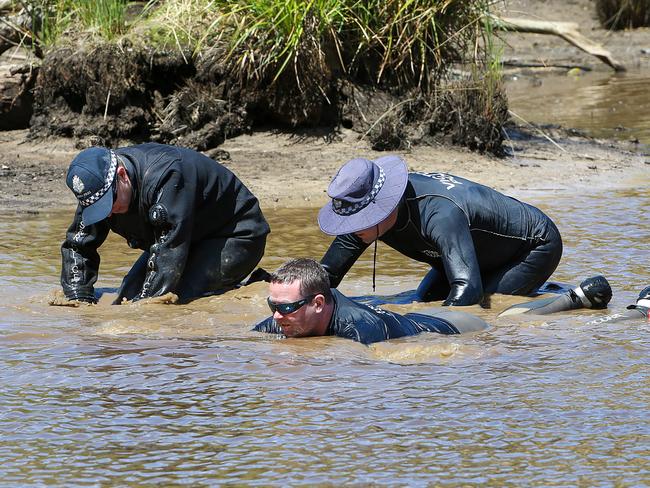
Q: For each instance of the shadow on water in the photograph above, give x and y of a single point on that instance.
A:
(163, 394)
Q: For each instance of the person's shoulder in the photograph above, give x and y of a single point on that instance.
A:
(151, 153)
(268, 325)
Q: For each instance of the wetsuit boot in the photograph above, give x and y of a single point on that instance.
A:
(639, 311)
(594, 292)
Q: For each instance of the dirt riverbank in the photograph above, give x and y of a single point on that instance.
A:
(295, 169)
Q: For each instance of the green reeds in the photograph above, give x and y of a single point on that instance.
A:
(623, 14)
(405, 43)
(52, 18)
(105, 16)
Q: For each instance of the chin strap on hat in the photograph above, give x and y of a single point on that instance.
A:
(374, 261)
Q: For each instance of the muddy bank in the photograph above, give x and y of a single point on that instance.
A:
(117, 93)
(286, 170)
(540, 54)
(293, 167)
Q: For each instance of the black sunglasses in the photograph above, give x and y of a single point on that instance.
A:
(287, 308)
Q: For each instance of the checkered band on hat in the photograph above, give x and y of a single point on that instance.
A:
(112, 171)
(341, 207)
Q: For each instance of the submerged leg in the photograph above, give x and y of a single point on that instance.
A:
(132, 282)
(593, 293)
(218, 265)
(527, 274)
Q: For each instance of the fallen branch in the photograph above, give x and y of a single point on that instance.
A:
(566, 30)
(513, 63)
(14, 29)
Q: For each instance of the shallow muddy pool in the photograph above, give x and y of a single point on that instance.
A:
(603, 104)
(168, 395)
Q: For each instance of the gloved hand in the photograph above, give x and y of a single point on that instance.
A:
(81, 296)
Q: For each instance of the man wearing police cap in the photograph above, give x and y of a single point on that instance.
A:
(200, 229)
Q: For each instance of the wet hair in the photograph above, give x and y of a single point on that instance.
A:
(312, 276)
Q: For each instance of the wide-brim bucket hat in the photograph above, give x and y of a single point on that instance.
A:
(363, 193)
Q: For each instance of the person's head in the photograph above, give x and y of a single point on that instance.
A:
(300, 298)
(365, 195)
(100, 183)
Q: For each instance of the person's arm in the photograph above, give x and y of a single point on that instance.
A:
(171, 215)
(341, 255)
(446, 225)
(80, 259)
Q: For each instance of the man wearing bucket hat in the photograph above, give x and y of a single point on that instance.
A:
(200, 229)
(476, 240)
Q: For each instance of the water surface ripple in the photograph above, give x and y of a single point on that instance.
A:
(187, 395)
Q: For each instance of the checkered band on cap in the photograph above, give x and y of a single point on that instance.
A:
(341, 207)
(112, 171)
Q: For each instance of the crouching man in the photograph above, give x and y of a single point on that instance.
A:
(304, 305)
(200, 229)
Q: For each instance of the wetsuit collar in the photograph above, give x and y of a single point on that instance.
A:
(330, 327)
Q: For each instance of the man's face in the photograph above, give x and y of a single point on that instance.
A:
(302, 322)
(373, 233)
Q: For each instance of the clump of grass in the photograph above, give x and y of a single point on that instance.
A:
(393, 42)
(406, 43)
(186, 25)
(51, 19)
(105, 16)
(623, 14)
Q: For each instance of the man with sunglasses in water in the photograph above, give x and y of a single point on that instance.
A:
(200, 229)
(304, 305)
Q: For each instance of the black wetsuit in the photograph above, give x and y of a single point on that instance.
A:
(633, 312)
(476, 240)
(365, 324)
(207, 233)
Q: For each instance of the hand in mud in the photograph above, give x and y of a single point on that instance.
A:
(58, 299)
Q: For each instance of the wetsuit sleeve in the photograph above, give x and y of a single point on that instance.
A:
(446, 226)
(269, 326)
(173, 223)
(80, 259)
(341, 255)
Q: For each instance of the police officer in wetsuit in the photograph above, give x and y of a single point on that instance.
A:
(303, 305)
(476, 240)
(200, 229)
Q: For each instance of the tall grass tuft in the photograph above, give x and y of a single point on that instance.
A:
(105, 16)
(400, 42)
(623, 14)
(187, 25)
(50, 19)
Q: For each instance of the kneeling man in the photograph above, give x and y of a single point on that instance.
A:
(303, 305)
(201, 231)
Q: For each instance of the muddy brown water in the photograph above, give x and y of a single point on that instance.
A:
(603, 104)
(171, 395)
